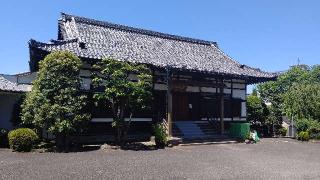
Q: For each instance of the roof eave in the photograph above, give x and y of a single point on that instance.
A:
(35, 45)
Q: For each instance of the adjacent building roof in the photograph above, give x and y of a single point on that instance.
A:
(8, 83)
(92, 39)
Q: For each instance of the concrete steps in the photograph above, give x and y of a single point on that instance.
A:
(195, 130)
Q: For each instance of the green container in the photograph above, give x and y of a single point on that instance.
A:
(240, 130)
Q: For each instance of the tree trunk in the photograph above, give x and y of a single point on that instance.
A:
(62, 142)
(122, 123)
(118, 115)
(40, 133)
(66, 143)
(118, 135)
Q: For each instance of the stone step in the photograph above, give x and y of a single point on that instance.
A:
(194, 129)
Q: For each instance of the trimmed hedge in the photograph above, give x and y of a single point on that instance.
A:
(22, 139)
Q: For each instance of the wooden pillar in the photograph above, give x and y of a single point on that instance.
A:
(155, 116)
(232, 100)
(221, 106)
(169, 102)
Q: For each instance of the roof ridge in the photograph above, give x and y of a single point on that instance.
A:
(22, 73)
(64, 41)
(33, 42)
(81, 19)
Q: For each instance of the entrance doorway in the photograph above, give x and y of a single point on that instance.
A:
(185, 106)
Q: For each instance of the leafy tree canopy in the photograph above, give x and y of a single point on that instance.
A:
(295, 92)
(257, 110)
(55, 102)
(303, 101)
(126, 88)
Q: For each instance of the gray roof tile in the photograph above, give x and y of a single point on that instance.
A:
(103, 39)
(11, 86)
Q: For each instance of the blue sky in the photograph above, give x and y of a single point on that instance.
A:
(268, 34)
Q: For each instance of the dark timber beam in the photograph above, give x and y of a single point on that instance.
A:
(169, 102)
(221, 108)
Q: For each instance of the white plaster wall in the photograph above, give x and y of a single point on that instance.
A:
(126, 119)
(160, 87)
(218, 119)
(237, 85)
(243, 109)
(239, 94)
(227, 91)
(208, 89)
(86, 83)
(7, 102)
(227, 84)
(193, 89)
(85, 73)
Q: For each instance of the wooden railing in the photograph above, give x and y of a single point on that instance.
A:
(165, 124)
(214, 123)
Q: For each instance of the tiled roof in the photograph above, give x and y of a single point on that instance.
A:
(8, 85)
(94, 39)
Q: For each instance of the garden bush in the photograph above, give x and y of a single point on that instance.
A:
(283, 131)
(3, 137)
(302, 124)
(304, 136)
(161, 137)
(56, 103)
(309, 125)
(314, 127)
(22, 139)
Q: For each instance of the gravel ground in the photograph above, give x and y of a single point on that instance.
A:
(269, 159)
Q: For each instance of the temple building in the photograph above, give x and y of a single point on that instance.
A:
(195, 84)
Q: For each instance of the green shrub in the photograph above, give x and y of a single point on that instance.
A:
(309, 125)
(302, 124)
(304, 136)
(314, 128)
(283, 131)
(22, 139)
(161, 137)
(3, 137)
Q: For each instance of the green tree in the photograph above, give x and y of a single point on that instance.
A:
(273, 92)
(56, 103)
(303, 101)
(314, 74)
(256, 109)
(258, 114)
(294, 93)
(127, 88)
(16, 111)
